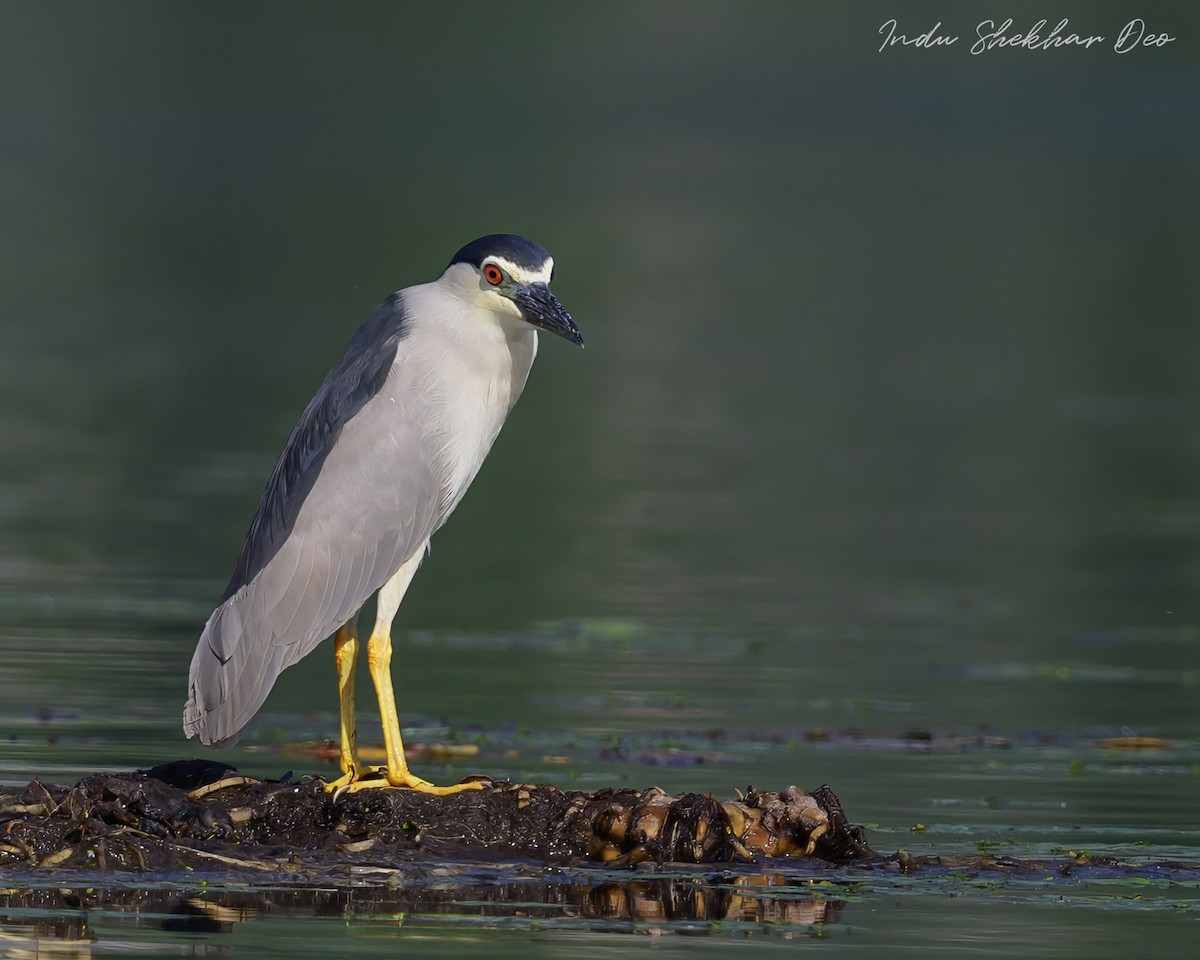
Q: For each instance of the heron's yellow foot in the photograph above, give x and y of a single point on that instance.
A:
(395, 773)
(380, 778)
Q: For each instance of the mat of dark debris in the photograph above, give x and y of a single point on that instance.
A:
(196, 815)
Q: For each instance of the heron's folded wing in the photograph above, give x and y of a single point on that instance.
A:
(353, 496)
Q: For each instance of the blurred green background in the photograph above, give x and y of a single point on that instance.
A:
(885, 433)
(890, 392)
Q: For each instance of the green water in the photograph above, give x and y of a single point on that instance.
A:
(880, 470)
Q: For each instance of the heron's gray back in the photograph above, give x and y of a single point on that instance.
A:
(357, 376)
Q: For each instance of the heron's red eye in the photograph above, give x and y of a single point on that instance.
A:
(493, 274)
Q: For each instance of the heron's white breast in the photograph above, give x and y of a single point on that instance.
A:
(459, 370)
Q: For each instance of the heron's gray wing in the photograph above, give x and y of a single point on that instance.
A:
(357, 376)
(352, 497)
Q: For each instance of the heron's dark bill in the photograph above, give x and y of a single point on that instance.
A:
(541, 308)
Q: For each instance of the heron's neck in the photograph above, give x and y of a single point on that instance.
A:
(472, 368)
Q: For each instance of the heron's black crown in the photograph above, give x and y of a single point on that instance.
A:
(516, 250)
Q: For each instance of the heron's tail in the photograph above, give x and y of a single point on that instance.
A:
(299, 598)
(232, 672)
(262, 629)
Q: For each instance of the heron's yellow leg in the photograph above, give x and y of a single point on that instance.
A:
(379, 661)
(345, 656)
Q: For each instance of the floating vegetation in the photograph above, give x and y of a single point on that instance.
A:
(197, 815)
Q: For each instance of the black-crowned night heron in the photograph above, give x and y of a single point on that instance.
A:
(381, 456)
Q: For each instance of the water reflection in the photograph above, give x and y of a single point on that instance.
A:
(79, 921)
(75, 918)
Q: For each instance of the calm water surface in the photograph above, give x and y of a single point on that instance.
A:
(880, 470)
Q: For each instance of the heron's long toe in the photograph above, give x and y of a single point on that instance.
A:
(347, 778)
(381, 778)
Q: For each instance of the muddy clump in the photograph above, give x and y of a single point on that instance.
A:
(196, 815)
